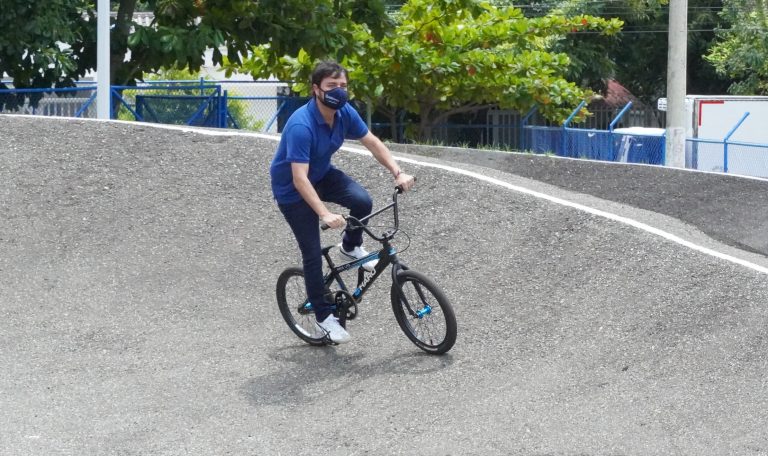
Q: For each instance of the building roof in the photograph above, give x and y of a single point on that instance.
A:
(615, 95)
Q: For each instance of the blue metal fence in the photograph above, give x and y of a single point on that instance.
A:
(727, 156)
(206, 103)
(66, 102)
(202, 105)
(631, 145)
(619, 146)
(246, 104)
(733, 157)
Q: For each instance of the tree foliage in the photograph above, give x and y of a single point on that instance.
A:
(637, 56)
(33, 37)
(447, 57)
(741, 52)
(53, 43)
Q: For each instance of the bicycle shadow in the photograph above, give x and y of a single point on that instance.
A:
(308, 373)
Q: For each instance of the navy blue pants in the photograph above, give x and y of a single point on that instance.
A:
(335, 187)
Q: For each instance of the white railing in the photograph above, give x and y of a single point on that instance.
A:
(59, 107)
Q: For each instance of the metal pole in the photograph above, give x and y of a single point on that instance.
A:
(523, 123)
(728, 138)
(676, 78)
(613, 125)
(619, 116)
(223, 111)
(104, 94)
(564, 141)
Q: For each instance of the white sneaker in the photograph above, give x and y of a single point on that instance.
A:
(334, 330)
(357, 253)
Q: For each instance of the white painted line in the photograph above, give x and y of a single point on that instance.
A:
(581, 207)
(491, 180)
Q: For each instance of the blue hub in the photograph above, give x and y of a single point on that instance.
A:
(426, 310)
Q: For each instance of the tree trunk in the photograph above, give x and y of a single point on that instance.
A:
(426, 123)
(119, 39)
(392, 115)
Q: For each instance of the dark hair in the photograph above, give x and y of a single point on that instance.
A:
(326, 69)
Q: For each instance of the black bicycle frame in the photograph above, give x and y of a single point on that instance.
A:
(386, 256)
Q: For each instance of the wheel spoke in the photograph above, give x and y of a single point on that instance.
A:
(292, 298)
(430, 328)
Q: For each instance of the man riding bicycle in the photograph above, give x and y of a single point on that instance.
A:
(303, 179)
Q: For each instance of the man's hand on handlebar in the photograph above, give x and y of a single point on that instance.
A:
(405, 181)
(332, 220)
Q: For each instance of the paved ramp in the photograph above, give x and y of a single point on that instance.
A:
(137, 315)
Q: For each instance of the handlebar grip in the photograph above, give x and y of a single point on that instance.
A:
(399, 188)
(324, 226)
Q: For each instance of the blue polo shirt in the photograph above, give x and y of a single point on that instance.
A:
(307, 138)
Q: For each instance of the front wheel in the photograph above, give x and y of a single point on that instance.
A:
(423, 312)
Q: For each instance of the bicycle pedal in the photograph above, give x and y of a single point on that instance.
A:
(352, 311)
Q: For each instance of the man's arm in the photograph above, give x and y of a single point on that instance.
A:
(383, 156)
(300, 172)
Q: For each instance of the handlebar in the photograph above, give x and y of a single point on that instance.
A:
(354, 223)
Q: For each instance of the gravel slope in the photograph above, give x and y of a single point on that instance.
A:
(138, 316)
(731, 209)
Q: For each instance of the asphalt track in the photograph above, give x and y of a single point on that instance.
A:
(137, 312)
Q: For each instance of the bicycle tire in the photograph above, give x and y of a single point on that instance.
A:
(291, 298)
(423, 312)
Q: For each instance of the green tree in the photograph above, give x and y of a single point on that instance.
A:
(30, 37)
(53, 43)
(741, 52)
(183, 29)
(637, 56)
(447, 57)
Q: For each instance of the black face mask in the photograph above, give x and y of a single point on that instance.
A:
(335, 98)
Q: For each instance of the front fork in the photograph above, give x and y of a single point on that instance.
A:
(423, 309)
(397, 266)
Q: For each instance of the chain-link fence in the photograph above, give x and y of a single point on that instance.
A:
(260, 105)
(265, 106)
(590, 144)
(629, 145)
(704, 154)
(746, 159)
(171, 103)
(64, 102)
(742, 158)
(247, 105)
(542, 139)
(251, 105)
(639, 145)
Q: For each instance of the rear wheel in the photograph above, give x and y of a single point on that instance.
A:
(423, 312)
(295, 307)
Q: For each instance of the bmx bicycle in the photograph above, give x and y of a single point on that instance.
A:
(421, 308)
